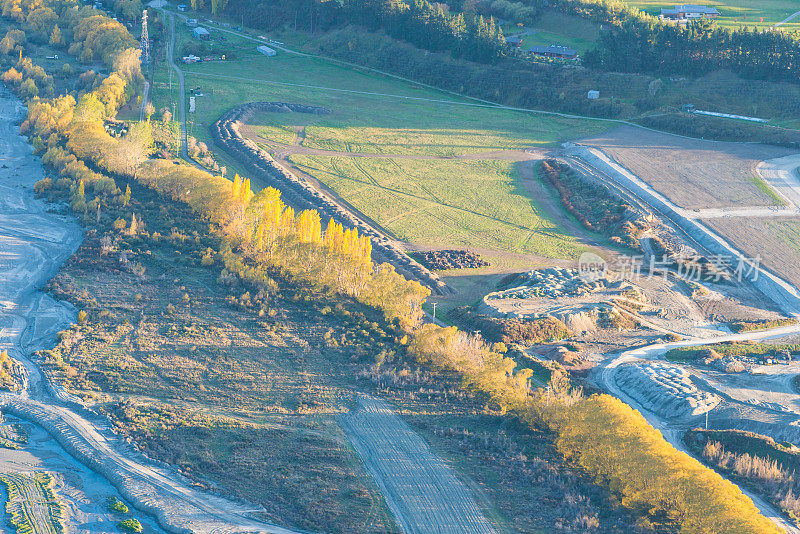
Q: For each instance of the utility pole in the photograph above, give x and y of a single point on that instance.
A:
(145, 39)
(177, 134)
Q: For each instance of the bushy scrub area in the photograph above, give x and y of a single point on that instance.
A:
(753, 326)
(736, 349)
(768, 467)
(32, 504)
(505, 330)
(592, 205)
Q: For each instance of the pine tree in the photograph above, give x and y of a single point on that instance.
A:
(127, 198)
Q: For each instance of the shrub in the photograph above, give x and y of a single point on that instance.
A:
(130, 525)
(116, 505)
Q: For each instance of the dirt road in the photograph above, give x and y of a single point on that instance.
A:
(606, 378)
(606, 170)
(423, 493)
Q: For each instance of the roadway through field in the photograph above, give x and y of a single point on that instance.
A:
(788, 19)
(606, 171)
(422, 491)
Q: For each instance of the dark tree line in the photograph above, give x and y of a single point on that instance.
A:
(432, 27)
(644, 44)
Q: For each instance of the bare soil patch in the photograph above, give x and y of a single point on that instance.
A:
(775, 241)
(692, 173)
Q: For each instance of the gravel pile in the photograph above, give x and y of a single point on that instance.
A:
(441, 260)
(665, 389)
(551, 283)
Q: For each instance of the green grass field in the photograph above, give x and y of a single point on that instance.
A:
(553, 27)
(413, 129)
(734, 13)
(429, 202)
(444, 203)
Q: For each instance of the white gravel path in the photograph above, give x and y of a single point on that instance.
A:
(421, 490)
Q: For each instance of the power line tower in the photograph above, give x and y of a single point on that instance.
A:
(145, 39)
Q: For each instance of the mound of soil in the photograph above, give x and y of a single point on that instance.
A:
(451, 259)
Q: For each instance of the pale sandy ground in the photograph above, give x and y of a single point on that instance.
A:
(83, 492)
(692, 173)
(33, 244)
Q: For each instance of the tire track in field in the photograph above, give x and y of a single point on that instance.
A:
(423, 493)
(432, 200)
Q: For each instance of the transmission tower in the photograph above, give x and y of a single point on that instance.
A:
(145, 39)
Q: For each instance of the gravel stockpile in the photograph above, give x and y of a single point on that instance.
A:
(440, 260)
(665, 389)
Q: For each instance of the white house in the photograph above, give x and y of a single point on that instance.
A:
(267, 51)
(684, 12)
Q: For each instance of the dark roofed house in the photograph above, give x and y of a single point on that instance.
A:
(553, 50)
(201, 33)
(683, 12)
(514, 40)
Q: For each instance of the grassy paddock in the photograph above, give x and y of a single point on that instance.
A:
(430, 203)
(438, 203)
(748, 12)
(553, 27)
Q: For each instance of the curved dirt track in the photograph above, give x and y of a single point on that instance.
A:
(606, 378)
(302, 193)
(33, 244)
(421, 490)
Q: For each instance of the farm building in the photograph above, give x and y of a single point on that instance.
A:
(267, 51)
(554, 51)
(514, 40)
(686, 12)
(593, 95)
(201, 33)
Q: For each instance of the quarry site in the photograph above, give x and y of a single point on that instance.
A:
(317, 296)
